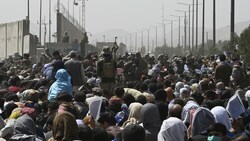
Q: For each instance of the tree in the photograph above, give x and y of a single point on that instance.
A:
(244, 45)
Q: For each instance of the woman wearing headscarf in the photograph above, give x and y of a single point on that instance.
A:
(24, 129)
(202, 119)
(178, 87)
(150, 118)
(62, 84)
(221, 116)
(64, 127)
(134, 114)
(190, 106)
(172, 129)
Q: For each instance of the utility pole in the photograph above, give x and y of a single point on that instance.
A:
(148, 41)
(203, 27)
(207, 38)
(83, 14)
(130, 38)
(163, 26)
(193, 27)
(45, 29)
(232, 22)
(141, 38)
(179, 35)
(171, 24)
(156, 27)
(40, 23)
(214, 23)
(189, 24)
(28, 9)
(197, 13)
(49, 20)
(185, 28)
(135, 41)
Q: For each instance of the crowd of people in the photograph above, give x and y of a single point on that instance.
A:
(124, 98)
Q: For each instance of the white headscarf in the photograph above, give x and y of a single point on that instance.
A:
(221, 116)
(247, 97)
(172, 129)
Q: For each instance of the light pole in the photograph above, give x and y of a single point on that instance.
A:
(197, 12)
(49, 20)
(171, 24)
(185, 29)
(189, 25)
(203, 27)
(232, 23)
(214, 23)
(179, 36)
(147, 29)
(74, 4)
(40, 24)
(155, 35)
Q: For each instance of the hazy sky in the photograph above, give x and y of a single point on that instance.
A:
(130, 15)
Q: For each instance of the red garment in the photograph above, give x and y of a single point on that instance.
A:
(14, 89)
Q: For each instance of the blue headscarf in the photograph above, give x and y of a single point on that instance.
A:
(62, 84)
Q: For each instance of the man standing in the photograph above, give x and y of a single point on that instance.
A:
(106, 70)
(75, 69)
(223, 71)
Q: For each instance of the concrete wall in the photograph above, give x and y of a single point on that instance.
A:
(3, 40)
(63, 24)
(12, 38)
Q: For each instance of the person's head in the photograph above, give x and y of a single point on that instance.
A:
(107, 120)
(11, 97)
(160, 95)
(24, 125)
(184, 93)
(209, 95)
(80, 97)
(217, 131)
(70, 108)
(115, 104)
(204, 85)
(52, 108)
(128, 99)
(172, 129)
(9, 108)
(152, 87)
(63, 97)
(119, 92)
(97, 91)
(133, 132)
(64, 127)
(100, 134)
(106, 52)
(167, 83)
(72, 54)
(222, 57)
(14, 81)
(56, 55)
(175, 111)
(85, 133)
(170, 94)
(141, 99)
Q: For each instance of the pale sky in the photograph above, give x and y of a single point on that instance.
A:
(129, 15)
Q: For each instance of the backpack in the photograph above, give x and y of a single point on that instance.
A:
(108, 69)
